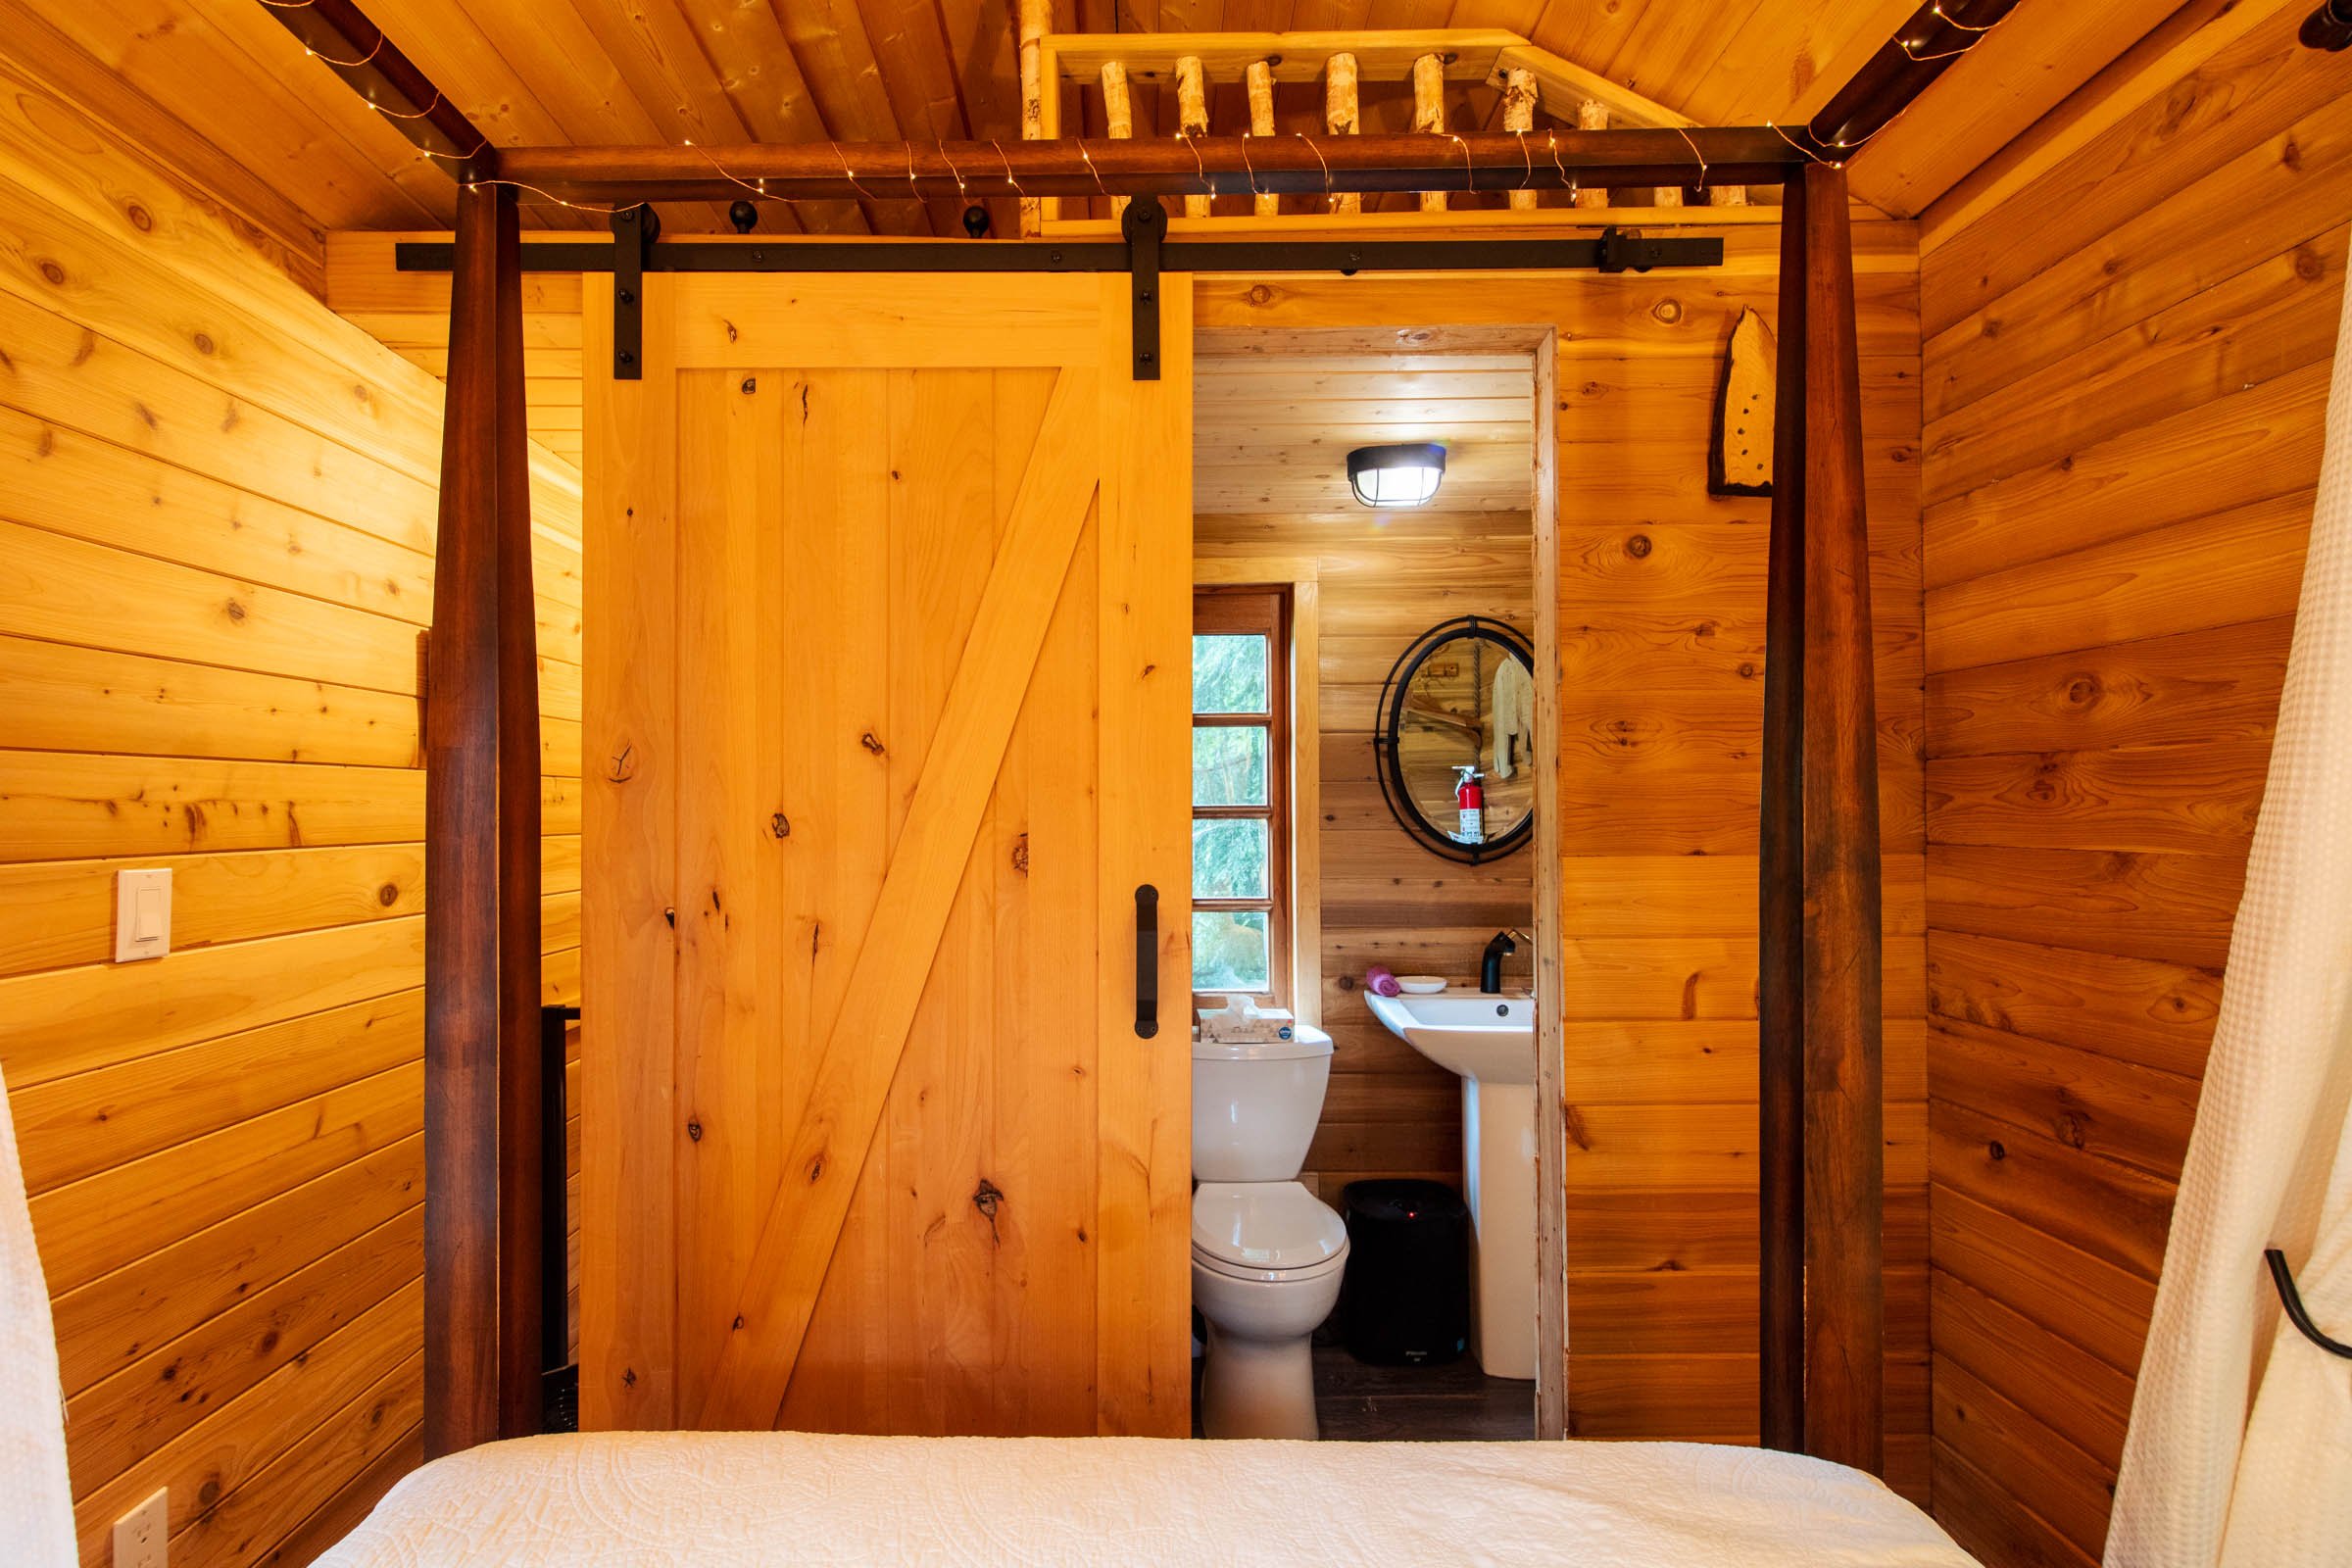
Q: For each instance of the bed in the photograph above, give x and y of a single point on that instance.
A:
(788, 1498)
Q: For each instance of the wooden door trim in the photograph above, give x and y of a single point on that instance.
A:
(862, 1049)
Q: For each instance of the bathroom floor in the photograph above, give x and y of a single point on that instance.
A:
(1456, 1402)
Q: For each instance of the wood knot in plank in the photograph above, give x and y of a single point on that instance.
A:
(1020, 854)
(780, 825)
(694, 1131)
(868, 740)
(623, 767)
(986, 1198)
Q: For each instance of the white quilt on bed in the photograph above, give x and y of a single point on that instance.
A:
(740, 1498)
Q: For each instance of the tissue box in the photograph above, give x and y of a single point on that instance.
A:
(1242, 1022)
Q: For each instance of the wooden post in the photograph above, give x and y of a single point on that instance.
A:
(1341, 117)
(1592, 115)
(1781, 923)
(1429, 112)
(1519, 115)
(1192, 117)
(1821, 739)
(1260, 81)
(482, 986)
(1118, 115)
(1036, 19)
(521, 1112)
(1844, 1144)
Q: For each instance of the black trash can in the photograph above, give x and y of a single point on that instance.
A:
(1405, 1298)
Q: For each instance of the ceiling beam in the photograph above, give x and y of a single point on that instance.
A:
(1922, 49)
(1157, 166)
(339, 33)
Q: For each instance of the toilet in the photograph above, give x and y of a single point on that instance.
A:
(1267, 1255)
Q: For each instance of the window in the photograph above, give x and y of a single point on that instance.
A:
(1240, 793)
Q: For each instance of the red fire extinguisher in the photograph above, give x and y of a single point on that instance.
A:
(1471, 797)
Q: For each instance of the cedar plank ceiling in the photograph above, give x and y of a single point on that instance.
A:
(222, 94)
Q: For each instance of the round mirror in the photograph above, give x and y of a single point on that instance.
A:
(1456, 740)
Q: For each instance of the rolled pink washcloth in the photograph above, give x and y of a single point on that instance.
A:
(1381, 983)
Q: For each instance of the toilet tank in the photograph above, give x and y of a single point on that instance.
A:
(1254, 1107)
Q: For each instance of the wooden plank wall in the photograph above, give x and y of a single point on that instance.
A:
(1661, 650)
(2126, 360)
(1381, 579)
(217, 511)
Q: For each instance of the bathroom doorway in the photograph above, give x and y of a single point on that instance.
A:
(1376, 809)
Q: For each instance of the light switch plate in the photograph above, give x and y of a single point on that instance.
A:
(143, 1535)
(142, 915)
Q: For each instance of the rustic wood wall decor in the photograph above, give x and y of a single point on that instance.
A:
(1739, 454)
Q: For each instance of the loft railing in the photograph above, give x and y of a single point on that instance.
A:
(1070, 81)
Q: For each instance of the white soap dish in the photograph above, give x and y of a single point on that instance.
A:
(1420, 985)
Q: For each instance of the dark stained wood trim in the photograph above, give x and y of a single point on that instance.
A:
(481, 864)
(1781, 932)
(1845, 1151)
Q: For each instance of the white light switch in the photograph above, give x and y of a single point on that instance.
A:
(142, 915)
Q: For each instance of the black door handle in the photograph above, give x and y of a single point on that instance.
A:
(1147, 961)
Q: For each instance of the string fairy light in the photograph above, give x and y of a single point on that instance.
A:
(1199, 169)
(1085, 158)
(1551, 140)
(1009, 177)
(1691, 143)
(1951, 20)
(1469, 173)
(1328, 195)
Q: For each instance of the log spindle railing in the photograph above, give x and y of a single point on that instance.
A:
(1192, 117)
(1429, 112)
(1531, 83)
(1118, 115)
(1259, 77)
(1342, 116)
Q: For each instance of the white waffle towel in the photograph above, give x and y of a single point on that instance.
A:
(36, 1505)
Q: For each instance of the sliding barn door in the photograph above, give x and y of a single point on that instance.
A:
(889, 606)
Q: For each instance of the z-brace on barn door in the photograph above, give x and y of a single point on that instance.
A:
(889, 609)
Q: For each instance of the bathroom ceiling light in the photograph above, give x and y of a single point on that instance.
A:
(1404, 474)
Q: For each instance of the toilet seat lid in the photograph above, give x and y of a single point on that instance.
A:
(1264, 1225)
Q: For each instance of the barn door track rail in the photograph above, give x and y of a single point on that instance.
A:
(1144, 253)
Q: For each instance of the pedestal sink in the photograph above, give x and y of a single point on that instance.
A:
(1491, 1041)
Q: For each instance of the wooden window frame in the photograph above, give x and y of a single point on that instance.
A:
(1264, 610)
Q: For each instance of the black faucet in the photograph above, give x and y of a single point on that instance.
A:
(1489, 963)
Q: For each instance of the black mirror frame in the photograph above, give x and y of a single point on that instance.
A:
(1388, 765)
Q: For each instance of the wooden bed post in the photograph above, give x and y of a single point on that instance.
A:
(1781, 923)
(481, 1122)
(1822, 1161)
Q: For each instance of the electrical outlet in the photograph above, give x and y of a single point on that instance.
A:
(143, 1535)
